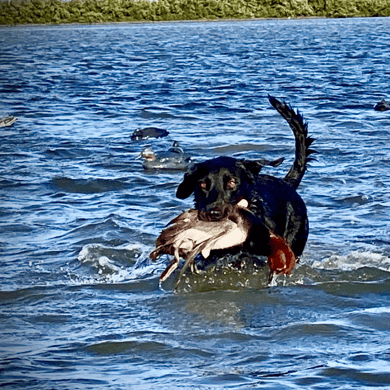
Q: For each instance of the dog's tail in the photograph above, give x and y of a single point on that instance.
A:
(302, 141)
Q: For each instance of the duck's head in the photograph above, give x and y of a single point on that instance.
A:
(147, 154)
(175, 148)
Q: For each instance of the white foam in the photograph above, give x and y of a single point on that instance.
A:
(354, 261)
(109, 270)
(106, 263)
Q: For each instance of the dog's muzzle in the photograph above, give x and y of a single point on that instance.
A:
(214, 215)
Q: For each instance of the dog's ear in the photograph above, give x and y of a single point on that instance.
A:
(255, 166)
(187, 186)
(274, 163)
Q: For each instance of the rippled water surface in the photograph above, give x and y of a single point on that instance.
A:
(81, 306)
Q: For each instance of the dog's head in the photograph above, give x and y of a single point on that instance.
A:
(219, 183)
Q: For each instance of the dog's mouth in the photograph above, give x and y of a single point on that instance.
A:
(214, 215)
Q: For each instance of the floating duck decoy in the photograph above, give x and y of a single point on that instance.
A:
(175, 148)
(148, 132)
(8, 121)
(383, 105)
(186, 236)
(174, 159)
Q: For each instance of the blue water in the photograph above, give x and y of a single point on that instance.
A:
(80, 305)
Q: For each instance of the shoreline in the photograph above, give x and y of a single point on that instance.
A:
(186, 21)
(59, 12)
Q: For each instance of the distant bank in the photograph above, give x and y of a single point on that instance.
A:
(13, 12)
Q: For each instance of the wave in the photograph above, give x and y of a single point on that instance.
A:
(354, 261)
(116, 264)
(88, 186)
(130, 263)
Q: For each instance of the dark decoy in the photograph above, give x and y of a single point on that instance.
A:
(383, 105)
(148, 132)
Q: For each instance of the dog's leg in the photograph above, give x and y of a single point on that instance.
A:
(293, 224)
(294, 231)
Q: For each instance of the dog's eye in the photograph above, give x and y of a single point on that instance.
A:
(203, 185)
(231, 184)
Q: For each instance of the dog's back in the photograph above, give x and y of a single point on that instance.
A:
(281, 210)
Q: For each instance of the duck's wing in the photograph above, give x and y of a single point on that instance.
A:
(177, 236)
(166, 240)
(205, 244)
(175, 227)
(210, 244)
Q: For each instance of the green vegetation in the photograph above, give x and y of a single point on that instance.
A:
(96, 11)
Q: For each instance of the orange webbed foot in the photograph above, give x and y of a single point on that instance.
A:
(281, 259)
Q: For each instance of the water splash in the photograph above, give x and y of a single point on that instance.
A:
(354, 261)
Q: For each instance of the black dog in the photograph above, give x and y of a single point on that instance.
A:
(274, 203)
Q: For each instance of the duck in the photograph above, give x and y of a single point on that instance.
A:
(186, 236)
(173, 159)
(148, 132)
(383, 105)
(8, 121)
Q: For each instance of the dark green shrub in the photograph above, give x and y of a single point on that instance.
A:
(92, 11)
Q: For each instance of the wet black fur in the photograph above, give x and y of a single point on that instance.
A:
(273, 203)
